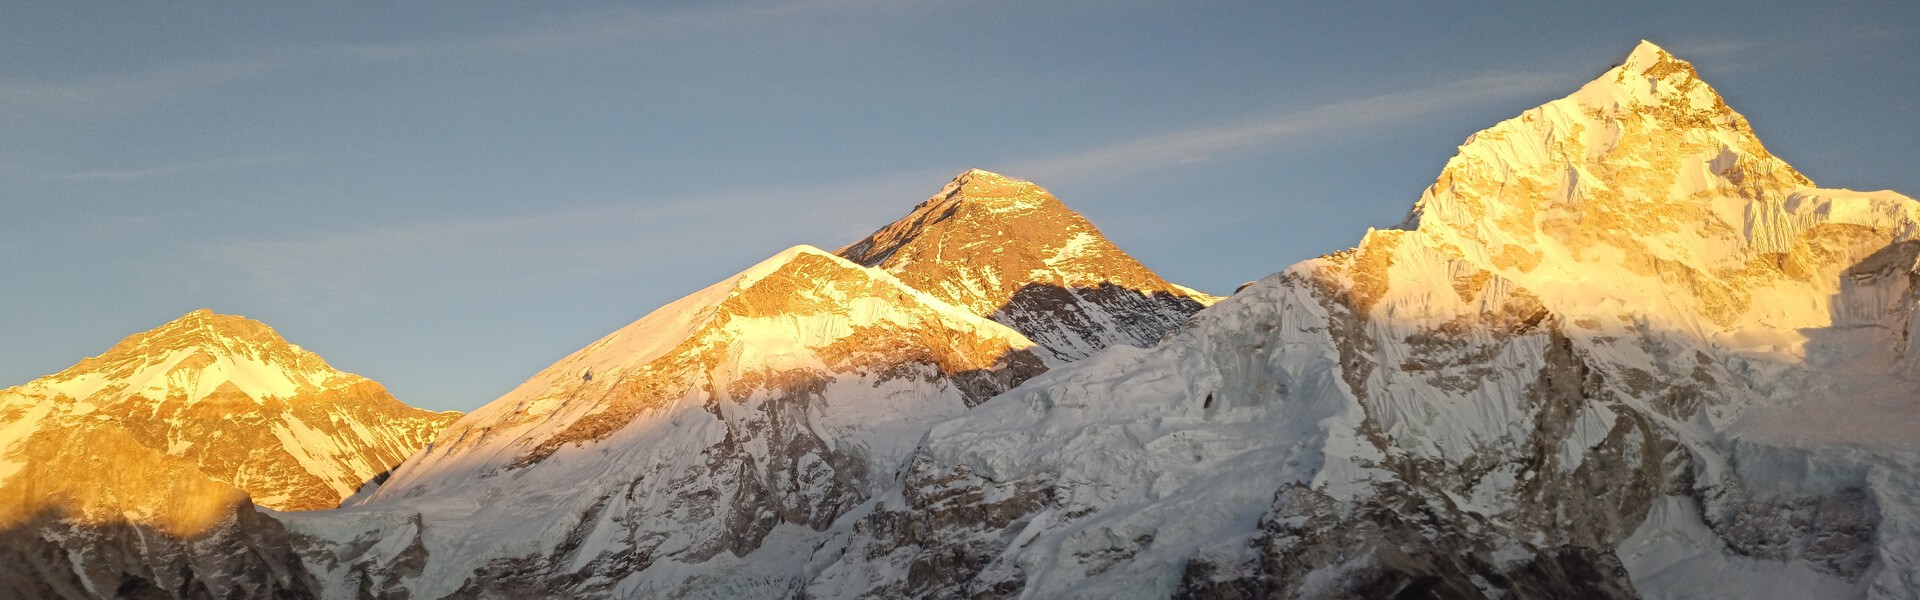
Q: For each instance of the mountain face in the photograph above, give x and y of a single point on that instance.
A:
(141, 466)
(1007, 250)
(714, 445)
(751, 414)
(1617, 350)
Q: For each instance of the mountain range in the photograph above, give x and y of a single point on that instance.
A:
(1617, 349)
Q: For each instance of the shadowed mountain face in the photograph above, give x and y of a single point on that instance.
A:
(243, 554)
(1007, 250)
(140, 467)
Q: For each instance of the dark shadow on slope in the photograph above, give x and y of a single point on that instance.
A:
(1077, 322)
(248, 556)
(371, 484)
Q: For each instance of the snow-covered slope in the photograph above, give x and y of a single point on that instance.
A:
(751, 413)
(1007, 250)
(1618, 349)
(169, 438)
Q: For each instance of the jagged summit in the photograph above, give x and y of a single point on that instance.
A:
(1008, 250)
(193, 355)
(980, 186)
(973, 199)
(202, 327)
(1647, 55)
(222, 396)
(1647, 186)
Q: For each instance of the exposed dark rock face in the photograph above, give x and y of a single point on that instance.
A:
(246, 556)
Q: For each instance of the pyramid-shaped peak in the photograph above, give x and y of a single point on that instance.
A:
(212, 337)
(1652, 77)
(1646, 160)
(1646, 53)
(203, 326)
(1650, 60)
(987, 238)
(996, 192)
(981, 173)
(983, 177)
(783, 257)
(976, 204)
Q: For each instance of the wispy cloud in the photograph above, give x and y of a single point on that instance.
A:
(1208, 142)
(114, 94)
(111, 94)
(1734, 55)
(658, 234)
(532, 250)
(611, 26)
(173, 169)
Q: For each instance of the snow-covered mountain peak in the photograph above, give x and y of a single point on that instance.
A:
(1649, 59)
(1645, 189)
(774, 263)
(998, 194)
(220, 402)
(801, 309)
(193, 356)
(208, 328)
(1007, 249)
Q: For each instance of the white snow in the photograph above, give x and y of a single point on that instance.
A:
(477, 510)
(1674, 556)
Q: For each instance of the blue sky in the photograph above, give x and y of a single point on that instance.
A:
(448, 197)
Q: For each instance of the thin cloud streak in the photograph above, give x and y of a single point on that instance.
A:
(1205, 143)
(470, 255)
(116, 94)
(607, 27)
(1742, 55)
(173, 169)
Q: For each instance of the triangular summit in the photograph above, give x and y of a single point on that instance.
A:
(1008, 250)
(225, 395)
